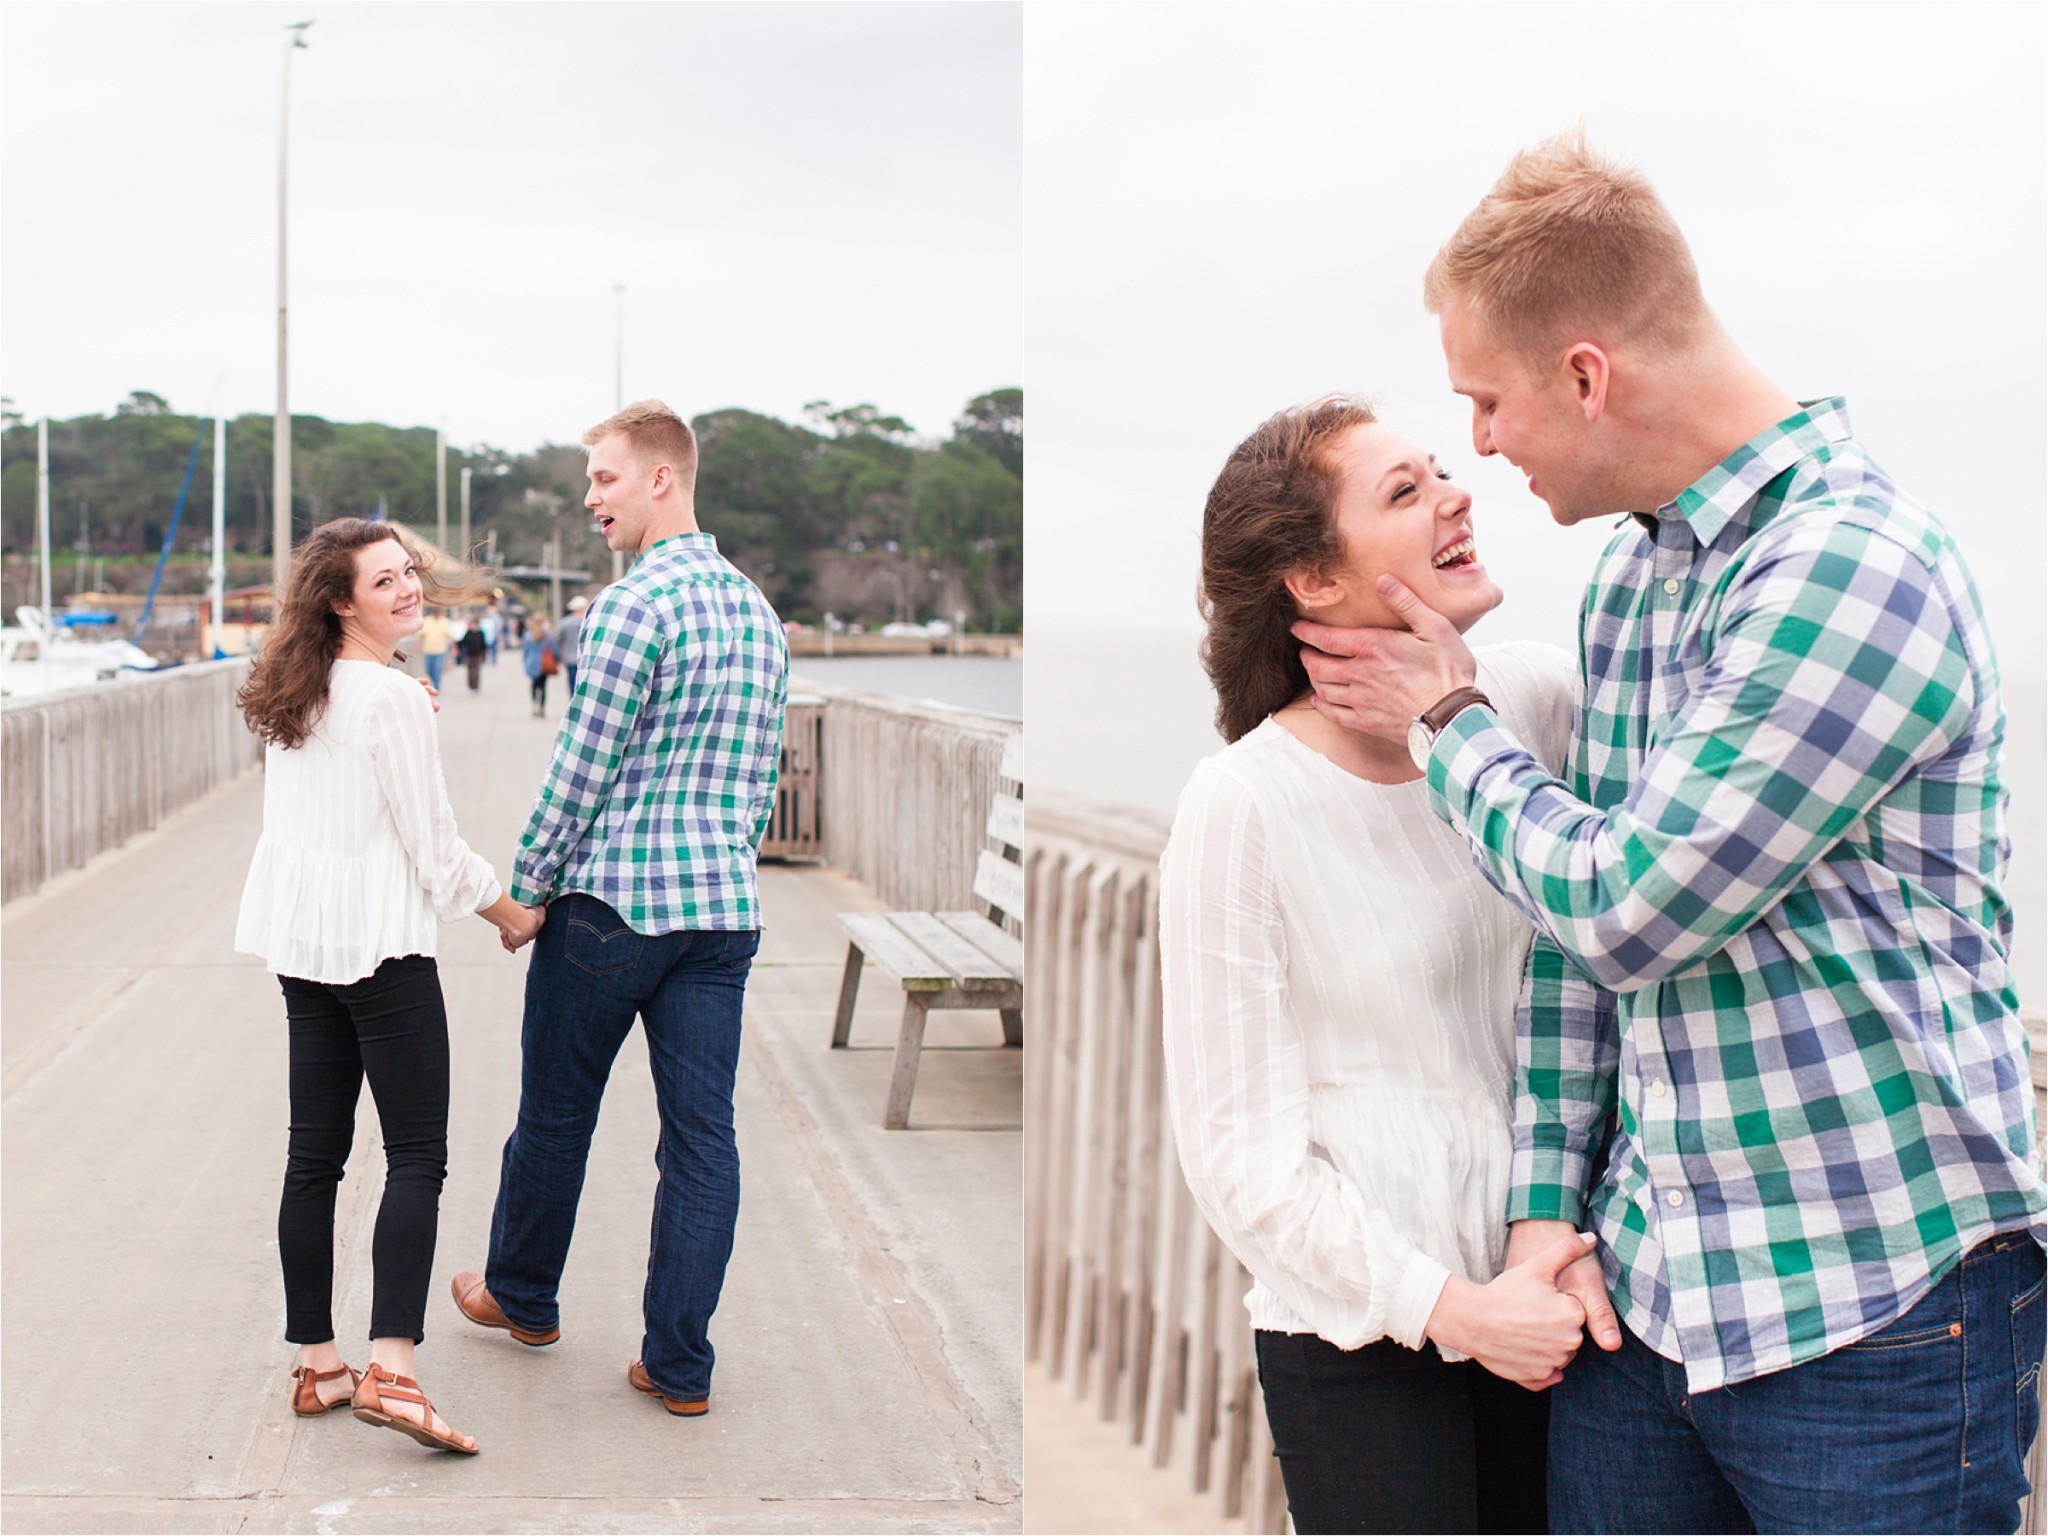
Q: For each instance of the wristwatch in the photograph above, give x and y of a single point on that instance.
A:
(1424, 729)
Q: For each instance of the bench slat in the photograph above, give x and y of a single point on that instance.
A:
(1012, 765)
(888, 947)
(971, 966)
(1006, 820)
(1005, 949)
(1000, 883)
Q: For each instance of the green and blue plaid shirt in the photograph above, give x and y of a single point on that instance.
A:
(1768, 1017)
(663, 778)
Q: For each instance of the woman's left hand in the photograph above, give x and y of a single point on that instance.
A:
(433, 693)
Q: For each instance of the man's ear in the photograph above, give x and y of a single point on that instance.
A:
(664, 477)
(1590, 371)
(1315, 589)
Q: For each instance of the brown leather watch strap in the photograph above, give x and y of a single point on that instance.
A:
(1445, 709)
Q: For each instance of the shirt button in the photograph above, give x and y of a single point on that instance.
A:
(1658, 1088)
(1674, 1198)
(1671, 586)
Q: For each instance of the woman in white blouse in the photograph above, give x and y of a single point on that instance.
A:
(1340, 990)
(358, 864)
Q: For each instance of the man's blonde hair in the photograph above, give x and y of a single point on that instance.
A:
(1568, 239)
(656, 432)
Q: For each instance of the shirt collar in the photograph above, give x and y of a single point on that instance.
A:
(676, 543)
(1729, 490)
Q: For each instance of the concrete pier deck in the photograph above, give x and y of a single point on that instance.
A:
(869, 1374)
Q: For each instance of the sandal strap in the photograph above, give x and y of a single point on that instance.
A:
(404, 1388)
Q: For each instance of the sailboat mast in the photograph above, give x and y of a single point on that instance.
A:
(217, 578)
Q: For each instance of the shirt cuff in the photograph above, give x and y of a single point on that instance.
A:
(1414, 1299)
(1474, 738)
(1545, 1200)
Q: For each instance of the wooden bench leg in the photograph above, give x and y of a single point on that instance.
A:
(849, 988)
(903, 1077)
(1013, 1026)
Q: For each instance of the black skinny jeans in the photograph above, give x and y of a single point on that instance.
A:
(1387, 1438)
(392, 1028)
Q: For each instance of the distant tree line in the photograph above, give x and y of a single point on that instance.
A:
(845, 511)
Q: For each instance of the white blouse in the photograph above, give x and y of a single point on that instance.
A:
(359, 855)
(1340, 989)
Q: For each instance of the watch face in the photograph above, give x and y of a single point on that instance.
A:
(1420, 740)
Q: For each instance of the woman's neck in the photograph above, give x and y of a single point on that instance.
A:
(355, 648)
(1373, 758)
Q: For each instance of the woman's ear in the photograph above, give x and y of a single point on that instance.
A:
(1315, 590)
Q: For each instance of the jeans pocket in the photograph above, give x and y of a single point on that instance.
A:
(601, 950)
(2029, 1337)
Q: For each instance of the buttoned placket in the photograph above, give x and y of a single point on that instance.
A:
(1674, 570)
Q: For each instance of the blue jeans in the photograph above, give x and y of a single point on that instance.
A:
(589, 977)
(432, 661)
(1921, 1426)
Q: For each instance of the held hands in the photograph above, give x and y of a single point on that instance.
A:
(1521, 1327)
(1378, 680)
(1581, 1279)
(520, 928)
(433, 693)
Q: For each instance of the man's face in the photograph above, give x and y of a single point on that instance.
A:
(1529, 416)
(621, 493)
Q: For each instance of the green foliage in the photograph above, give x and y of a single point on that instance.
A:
(940, 525)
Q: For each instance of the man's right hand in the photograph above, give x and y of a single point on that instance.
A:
(1581, 1280)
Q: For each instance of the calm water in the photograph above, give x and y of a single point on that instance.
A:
(1122, 718)
(993, 685)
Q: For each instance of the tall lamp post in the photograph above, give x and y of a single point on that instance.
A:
(618, 391)
(465, 513)
(441, 485)
(281, 429)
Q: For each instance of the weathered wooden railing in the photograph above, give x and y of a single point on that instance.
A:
(1129, 1299)
(88, 768)
(903, 793)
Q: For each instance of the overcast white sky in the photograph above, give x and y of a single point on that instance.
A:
(803, 201)
(1230, 209)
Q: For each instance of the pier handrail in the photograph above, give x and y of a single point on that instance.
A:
(85, 769)
(904, 790)
(1129, 1299)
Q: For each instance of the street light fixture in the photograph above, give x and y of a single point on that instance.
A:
(281, 428)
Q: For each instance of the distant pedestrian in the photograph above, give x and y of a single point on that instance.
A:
(358, 864)
(566, 634)
(494, 629)
(434, 643)
(472, 648)
(539, 654)
(646, 832)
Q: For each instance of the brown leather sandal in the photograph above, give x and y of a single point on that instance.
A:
(306, 1401)
(378, 1384)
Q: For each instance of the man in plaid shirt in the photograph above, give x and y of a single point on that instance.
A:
(642, 846)
(1769, 1044)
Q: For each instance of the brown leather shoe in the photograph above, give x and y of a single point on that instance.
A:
(475, 1303)
(682, 1408)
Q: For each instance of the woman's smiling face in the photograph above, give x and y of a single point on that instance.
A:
(1397, 513)
(385, 605)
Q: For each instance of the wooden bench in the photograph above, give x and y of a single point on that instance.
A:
(949, 959)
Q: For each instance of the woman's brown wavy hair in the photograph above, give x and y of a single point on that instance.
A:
(287, 688)
(1271, 511)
